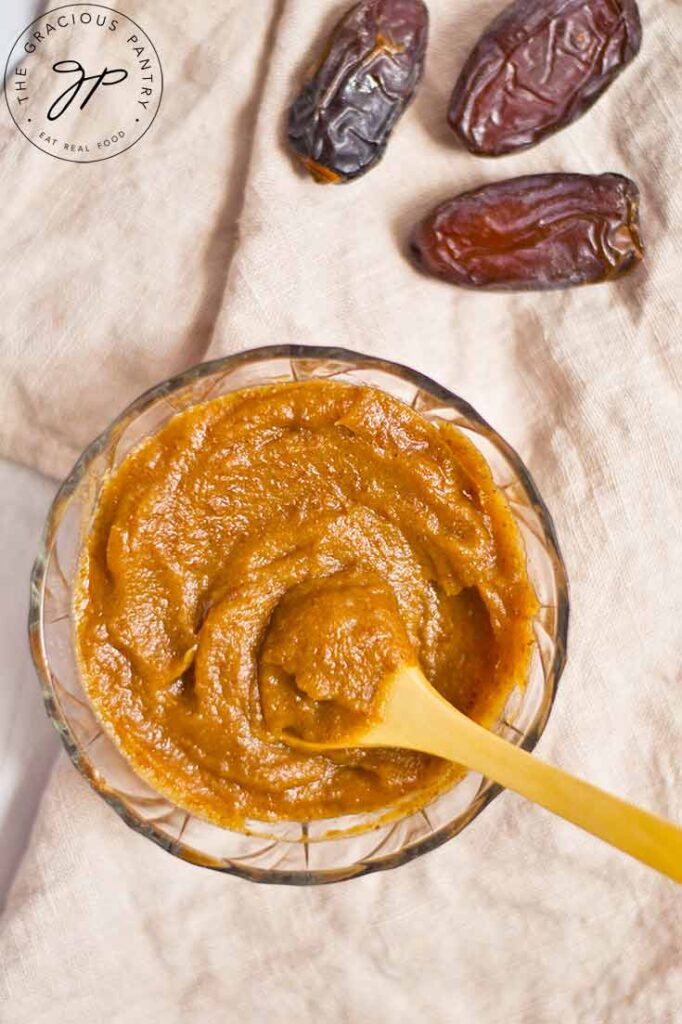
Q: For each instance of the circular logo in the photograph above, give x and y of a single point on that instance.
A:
(83, 82)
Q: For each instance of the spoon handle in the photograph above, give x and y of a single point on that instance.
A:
(417, 717)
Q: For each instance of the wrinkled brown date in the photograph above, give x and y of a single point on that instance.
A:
(538, 67)
(341, 121)
(536, 232)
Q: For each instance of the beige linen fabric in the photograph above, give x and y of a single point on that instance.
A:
(114, 276)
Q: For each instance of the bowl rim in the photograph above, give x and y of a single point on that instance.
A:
(488, 790)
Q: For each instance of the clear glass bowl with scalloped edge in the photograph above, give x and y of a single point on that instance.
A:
(293, 853)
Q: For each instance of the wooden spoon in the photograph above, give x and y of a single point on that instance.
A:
(414, 715)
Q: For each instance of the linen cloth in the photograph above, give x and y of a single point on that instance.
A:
(28, 743)
(203, 239)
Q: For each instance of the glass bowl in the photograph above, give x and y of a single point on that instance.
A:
(294, 853)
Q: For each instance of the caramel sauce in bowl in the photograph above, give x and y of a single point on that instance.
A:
(248, 548)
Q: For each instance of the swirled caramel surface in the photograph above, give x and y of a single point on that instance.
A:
(261, 563)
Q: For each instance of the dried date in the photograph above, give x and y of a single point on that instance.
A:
(340, 123)
(536, 232)
(538, 67)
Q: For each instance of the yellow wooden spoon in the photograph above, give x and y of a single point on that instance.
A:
(414, 715)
